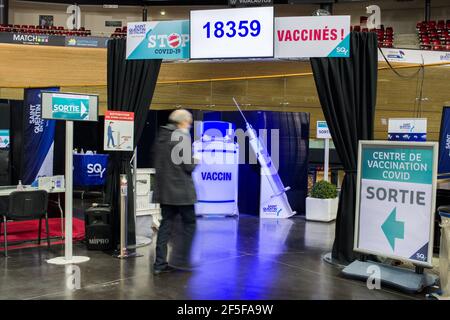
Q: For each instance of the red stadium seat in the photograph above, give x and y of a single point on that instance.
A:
(436, 44)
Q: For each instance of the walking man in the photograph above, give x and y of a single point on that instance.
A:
(175, 190)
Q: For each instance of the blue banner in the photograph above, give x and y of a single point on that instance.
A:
(444, 145)
(89, 170)
(38, 138)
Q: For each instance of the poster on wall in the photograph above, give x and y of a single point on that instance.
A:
(119, 131)
(37, 160)
(395, 202)
(167, 40)
(444, 145)
(407, 129)
(304, 37)
(46, 21)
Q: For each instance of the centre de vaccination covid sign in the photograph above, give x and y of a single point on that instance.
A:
(396, 200)
(167, 40)
(323, 36)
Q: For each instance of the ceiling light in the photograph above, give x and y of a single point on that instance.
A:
(162, 12)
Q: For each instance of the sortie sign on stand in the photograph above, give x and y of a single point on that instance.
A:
(69, 107)
(396, 200)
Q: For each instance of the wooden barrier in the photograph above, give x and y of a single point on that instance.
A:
(264, 85)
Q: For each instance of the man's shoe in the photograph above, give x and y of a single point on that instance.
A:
(166, 269)
(184, 267)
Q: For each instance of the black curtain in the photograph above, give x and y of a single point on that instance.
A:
(347, 89)
(131, 84)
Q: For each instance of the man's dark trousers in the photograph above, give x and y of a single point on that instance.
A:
(169, 213)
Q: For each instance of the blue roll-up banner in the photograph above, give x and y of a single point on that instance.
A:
(37, 160)
(444, 145)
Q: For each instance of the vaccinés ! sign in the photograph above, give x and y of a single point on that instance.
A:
(303, 37)
(168, 40)
(396, 199)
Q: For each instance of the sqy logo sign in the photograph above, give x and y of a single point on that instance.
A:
(168, 40)
(95, 169)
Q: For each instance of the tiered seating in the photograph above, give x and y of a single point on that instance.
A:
(434, 36)
(53, 30)
(385, 35)
(120, 32)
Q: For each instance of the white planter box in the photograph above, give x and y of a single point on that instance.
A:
(321, 209)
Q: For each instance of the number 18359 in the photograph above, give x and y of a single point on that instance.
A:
(233, 29)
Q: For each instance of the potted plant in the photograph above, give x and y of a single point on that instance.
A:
(322, 204)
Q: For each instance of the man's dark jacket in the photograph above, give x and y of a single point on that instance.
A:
(174, 184)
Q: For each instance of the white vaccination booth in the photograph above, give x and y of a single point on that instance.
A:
(216, 176)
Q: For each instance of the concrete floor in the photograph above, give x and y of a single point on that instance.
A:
(245, 258)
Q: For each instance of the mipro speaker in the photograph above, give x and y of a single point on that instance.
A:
(98, 228)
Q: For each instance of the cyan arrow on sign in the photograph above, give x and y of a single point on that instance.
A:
(393, 229)
(84, 112)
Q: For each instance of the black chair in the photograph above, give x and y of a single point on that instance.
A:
(26, 205)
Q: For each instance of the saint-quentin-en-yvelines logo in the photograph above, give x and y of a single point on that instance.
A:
(137, 29)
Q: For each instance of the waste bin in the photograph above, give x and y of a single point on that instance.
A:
(444, 252)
